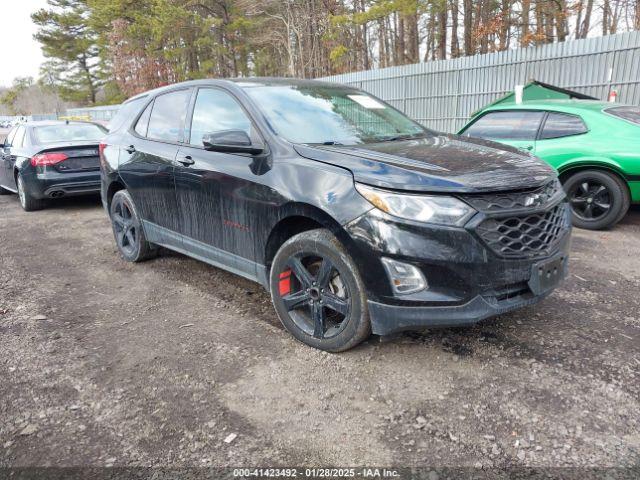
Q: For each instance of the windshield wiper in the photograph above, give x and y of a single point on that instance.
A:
(394, 138)
(328, 142)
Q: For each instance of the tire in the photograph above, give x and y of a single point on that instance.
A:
(27, 202)
(127, 229)
(598, 199)
(318, 293)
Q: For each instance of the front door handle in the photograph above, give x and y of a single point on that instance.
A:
(130, 149)
(186, 160)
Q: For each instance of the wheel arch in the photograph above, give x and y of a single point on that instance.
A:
(114, 186)
(565, 171)
(300, 218)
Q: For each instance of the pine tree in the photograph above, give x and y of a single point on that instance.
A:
(71, 49)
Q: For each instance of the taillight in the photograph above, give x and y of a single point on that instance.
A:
(44, 159)
(101, 148)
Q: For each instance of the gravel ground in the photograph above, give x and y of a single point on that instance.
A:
(173, 363)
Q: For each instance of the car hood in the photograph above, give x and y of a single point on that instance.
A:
(439, 163)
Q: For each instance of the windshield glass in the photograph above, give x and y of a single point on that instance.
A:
(331, 115)
(68, 133)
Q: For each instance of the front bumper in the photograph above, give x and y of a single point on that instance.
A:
(468, 281)
(387, 319)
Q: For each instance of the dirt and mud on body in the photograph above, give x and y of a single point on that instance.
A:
(174, 363)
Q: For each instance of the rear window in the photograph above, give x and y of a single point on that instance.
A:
(559, 125)
(126, 112)
(630, 114)
(67, 133)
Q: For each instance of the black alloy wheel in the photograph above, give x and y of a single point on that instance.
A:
(590, 200)
(318, 293)
(314, 295)
(127, 229)
(598, 199)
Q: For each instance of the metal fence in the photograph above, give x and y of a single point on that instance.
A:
(103, 113)
(443, 94)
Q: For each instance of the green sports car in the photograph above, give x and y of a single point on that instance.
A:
(594, 145)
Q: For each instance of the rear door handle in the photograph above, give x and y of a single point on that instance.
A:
(130, 149)
(186, 160)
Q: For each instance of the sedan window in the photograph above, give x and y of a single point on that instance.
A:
(72, 132)
(507, 125)
(167, 117)
(9, 140)
(19, 138)
(560, 125)
(216, 111)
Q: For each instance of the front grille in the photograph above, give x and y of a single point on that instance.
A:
(499, 202)
(525, 234)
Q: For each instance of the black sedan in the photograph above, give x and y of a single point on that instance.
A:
(44, 160)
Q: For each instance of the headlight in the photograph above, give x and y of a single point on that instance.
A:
(442, 210)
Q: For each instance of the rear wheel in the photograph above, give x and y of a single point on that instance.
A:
(27, 202)
(318, 293)
(598, 199)
(127, 229)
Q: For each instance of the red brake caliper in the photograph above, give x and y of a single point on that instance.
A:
(285, 283)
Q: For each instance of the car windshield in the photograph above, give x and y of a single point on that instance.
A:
(331, 115)
(68, 133)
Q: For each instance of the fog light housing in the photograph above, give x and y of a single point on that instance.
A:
(405, 278)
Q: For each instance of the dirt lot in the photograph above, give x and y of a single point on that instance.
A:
(108, 363)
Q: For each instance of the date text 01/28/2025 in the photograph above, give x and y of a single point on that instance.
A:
(315, 473)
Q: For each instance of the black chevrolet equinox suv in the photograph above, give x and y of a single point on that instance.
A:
(355, 218)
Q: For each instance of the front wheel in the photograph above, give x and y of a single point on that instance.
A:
(318, 293)
(598, 199)
(127, 229)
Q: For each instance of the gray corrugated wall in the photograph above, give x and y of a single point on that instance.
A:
(442, 94)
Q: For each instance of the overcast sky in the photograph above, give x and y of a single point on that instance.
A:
(21, 54)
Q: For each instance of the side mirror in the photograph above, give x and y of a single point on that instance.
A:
(230, 141)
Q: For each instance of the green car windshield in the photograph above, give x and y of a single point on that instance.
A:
(331, 115)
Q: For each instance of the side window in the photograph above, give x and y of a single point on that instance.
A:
(19, 138)
(143, 122)
(507, 125)
(127, 111)
(169, 110)
(560, 125)
(12, 134)
(215, 111)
